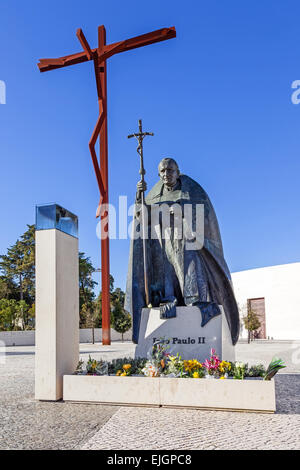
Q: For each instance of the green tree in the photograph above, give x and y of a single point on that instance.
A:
(86, 287)
(8, 290)
(251, 323)
(88, 312)
(122, 320)
(18, 271)
(117, 296)
(9, 314)
(114, 295)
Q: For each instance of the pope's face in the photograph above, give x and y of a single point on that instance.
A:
(168, 173)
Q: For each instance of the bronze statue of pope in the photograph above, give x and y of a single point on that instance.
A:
(185, 263)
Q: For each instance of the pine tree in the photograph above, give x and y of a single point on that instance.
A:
(86, 287)
(18, 270)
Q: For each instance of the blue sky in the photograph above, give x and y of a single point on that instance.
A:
(218, 98)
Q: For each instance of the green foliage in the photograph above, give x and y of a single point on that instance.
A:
(136, 365)
(117, 312)
(12, 314)
(18, 267)
(86, 290)
(17, 281)
(94, 367)
(252, 371)
(122, 323)
(8, 289)
(256, 371)
(117, 297)
(275, 365)
(251, 322)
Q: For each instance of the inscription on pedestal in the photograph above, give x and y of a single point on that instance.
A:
(199, 340)
(184, 334)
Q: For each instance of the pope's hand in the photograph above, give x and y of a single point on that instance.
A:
(141, 186)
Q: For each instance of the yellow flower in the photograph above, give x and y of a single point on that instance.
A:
(222, 377)
(192, 365)
(119, 372)
(196, 375)
(127, 366)
(123, 374)
(224, 365)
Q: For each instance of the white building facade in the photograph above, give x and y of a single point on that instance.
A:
(273, 293)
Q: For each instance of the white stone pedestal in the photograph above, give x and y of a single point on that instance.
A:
(185, 334)
(57, 311)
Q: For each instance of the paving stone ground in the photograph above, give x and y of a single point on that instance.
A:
(169, 429)
(28, 424)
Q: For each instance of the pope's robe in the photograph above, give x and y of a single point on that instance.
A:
(174, 269)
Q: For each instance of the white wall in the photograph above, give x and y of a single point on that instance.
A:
(86, 335)
(18, 338)
(280, 286)
(27, 338)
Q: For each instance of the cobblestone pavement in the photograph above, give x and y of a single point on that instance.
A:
(27, 424)
(161, 428)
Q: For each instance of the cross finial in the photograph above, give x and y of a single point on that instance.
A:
(140, 137)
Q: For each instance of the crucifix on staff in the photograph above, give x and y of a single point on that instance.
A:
(99, 56)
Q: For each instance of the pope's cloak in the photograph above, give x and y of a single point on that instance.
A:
(190, 275)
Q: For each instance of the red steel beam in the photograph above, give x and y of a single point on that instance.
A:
(84, 43)
(109, 50)
(99, 56)
(105, 272)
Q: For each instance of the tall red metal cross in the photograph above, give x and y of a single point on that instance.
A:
(99, 56)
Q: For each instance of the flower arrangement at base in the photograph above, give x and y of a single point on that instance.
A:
(224, 369)
(212, 365)
(150, 370)
(194, 368)
(125, 371)
(93, 367)
(175, 366)
(239, 371)
(136, 364)
(157, 359)
(159, 363)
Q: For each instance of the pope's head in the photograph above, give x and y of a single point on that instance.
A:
(168, 171)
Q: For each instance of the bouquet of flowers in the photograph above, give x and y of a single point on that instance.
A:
(224, 369)
(126, 370)
(157, 359)
(93, 367)
(150, 370)
(194, 368)
(212, 365)
(239, 371)
(175, 366)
